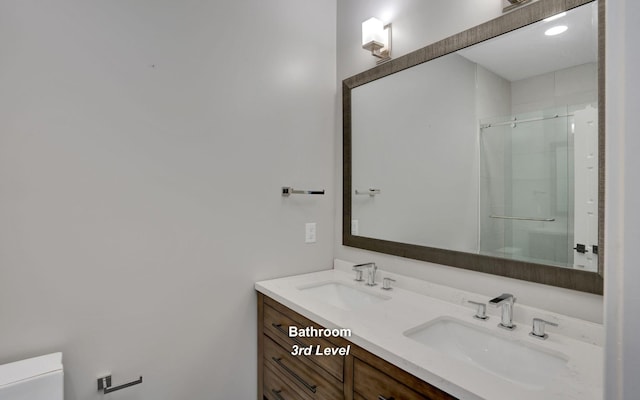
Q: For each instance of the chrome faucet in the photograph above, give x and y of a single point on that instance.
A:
(371, 272)
(505, 300)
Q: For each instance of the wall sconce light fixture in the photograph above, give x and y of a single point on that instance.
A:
(376, 37)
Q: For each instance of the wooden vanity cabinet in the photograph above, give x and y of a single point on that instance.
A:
(359, 375)
(302, 377)
(376, 379)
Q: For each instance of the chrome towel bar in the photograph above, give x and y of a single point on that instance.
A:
(523, 218)
(371, 192)
(104, 384)
(287, 191)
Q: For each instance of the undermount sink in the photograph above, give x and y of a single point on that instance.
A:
(342, 295)
(518, 362)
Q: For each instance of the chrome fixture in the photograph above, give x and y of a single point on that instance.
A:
(371, 275)
(523, 218)
(481, 311)
(515, 121)
(376, 37)
(371, 192)
(386, 283)
(511, 4)
(538, 328)
(104, 384)
(288, 191)
(359, 277)
(371, 272)
(505, 300)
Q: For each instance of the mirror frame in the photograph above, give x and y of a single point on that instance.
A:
(584, 281)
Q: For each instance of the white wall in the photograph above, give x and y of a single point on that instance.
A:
(622, 230)
(143, 145)
(417, 23)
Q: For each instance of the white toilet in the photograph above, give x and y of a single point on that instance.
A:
(38, 378)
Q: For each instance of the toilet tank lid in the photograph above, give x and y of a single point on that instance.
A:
(30, 368)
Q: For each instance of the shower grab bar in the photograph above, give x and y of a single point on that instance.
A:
(288, 191)
(371, 192)
(522, 218)
(104, 384)
(519, 121)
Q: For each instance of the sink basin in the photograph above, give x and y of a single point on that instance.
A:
(522, 363)
(342, 295)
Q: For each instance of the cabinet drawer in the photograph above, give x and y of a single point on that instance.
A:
(373, 384)
(276, 389)
(300, 377)
(276, 324)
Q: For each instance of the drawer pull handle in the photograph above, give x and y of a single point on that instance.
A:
(280, 329)
(277, 394)
(381, 397)
(298, 378)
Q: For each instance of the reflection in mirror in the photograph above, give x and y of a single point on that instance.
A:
(490, 150)
(538, 196)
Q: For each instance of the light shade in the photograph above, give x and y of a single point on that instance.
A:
(376, 38)
(373, 34)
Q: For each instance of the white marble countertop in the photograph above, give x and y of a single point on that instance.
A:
(379, 328)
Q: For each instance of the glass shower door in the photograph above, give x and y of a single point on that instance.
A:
(526, 187)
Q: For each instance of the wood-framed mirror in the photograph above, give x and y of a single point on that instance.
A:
(485, 150)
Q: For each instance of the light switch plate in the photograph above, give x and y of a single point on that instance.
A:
(310, 232)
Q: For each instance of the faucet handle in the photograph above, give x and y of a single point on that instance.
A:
(359, 277)
(538, 328)
(481, 311)
(386, 283)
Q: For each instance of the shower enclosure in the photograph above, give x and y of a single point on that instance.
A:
(538, 187)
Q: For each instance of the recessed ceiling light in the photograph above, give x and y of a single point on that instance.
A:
(556, 30)
(554, 17)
